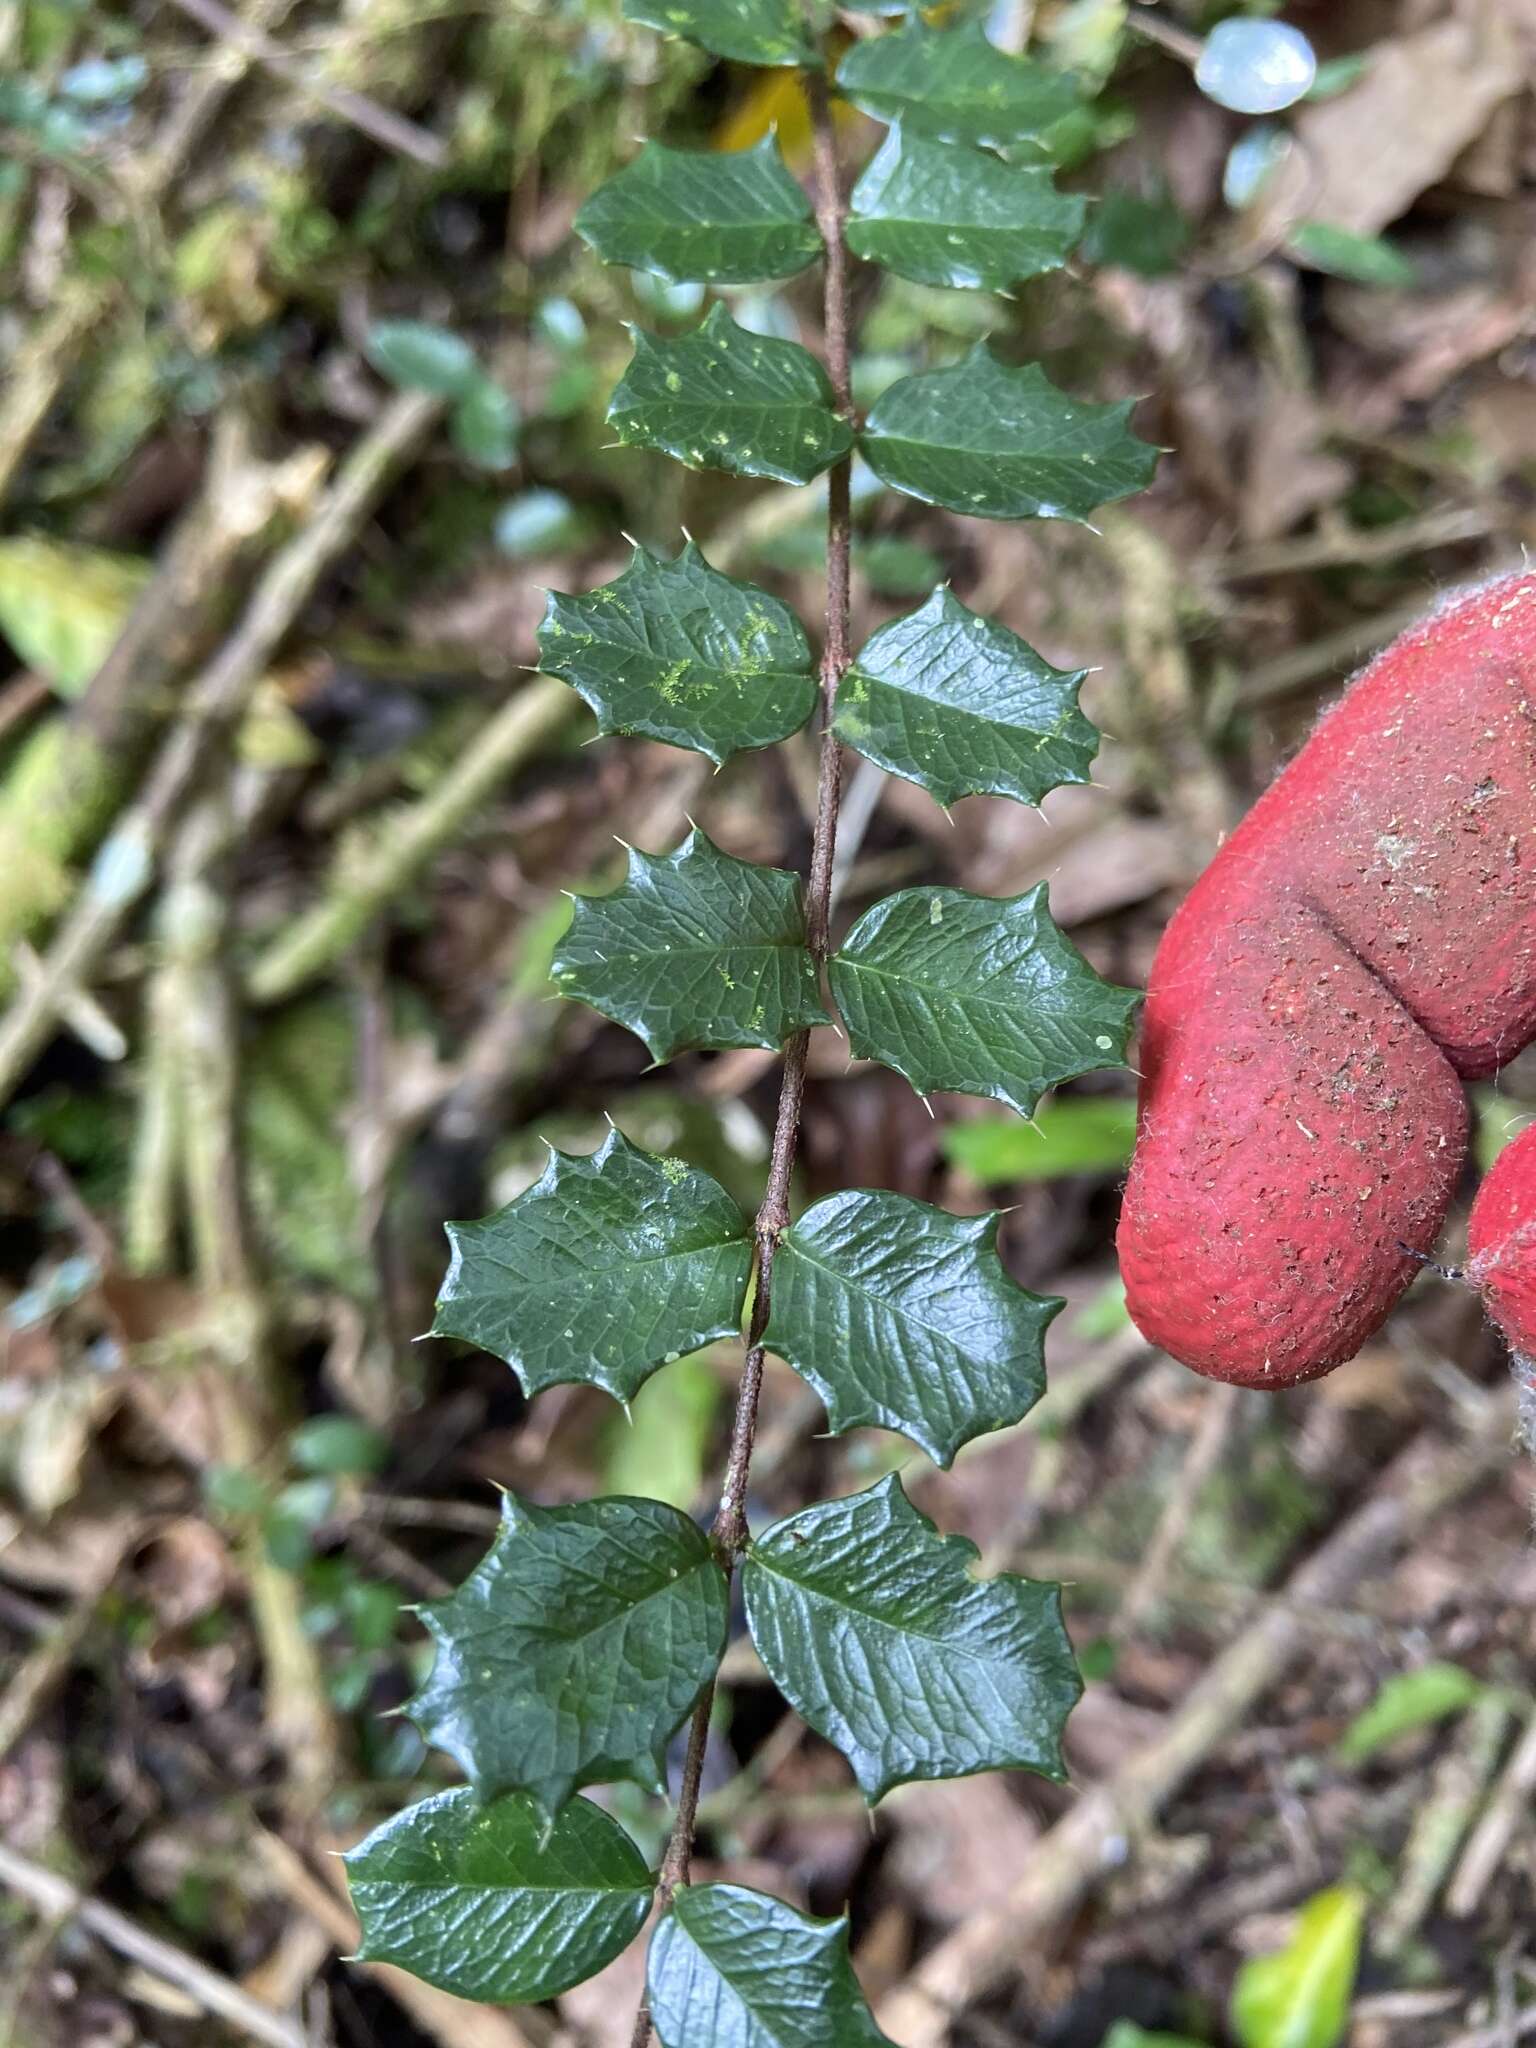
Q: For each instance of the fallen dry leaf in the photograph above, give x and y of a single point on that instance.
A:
(1364, 157)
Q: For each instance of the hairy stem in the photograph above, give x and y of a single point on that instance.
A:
(730, 1526)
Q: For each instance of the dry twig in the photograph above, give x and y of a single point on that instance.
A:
(1218, 1411)
(1507, 1810)
(125, 865)
(57, 1897)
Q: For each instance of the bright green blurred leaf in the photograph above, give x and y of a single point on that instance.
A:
(1074, 1134)
(234, 1491)
(62, 606)
(1497, 1122)
(1126, 2034)
(660, 1445)
(1299, 1997)
(1104, 1315)
(1364, 259)
(1407, 1701)
(1338, 74)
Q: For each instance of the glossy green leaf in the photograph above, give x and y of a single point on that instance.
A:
(961, 706)
(901, 1316)
(876, 1631)
(770, 32)
(575, 1649)
(1405, 1703)
(420, 357)
(1299, 1997)
(730, 217)
(943, 214)
(675, 651)
(606, 1268)
(981, 994)
(488, 1902)
(694, 949)
(721, 398)
(1073, 1134)
(732, 1968)
(955, 84)
(1003, 443)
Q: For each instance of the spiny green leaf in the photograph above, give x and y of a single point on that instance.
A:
(954, 83)
(695, 949)
(873, 1627)
(733, 217)
(961, 706)
(981, 994)
(603, 1270)
(675, 651)
(1299, 1997)
(489, 1903)
(1003, 443)
(902, 1316)
(575, 1649)
(732, 1968)
(721, 398)
(768, 32)
(944, 214)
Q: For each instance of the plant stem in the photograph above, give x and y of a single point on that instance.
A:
(729, 1533)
